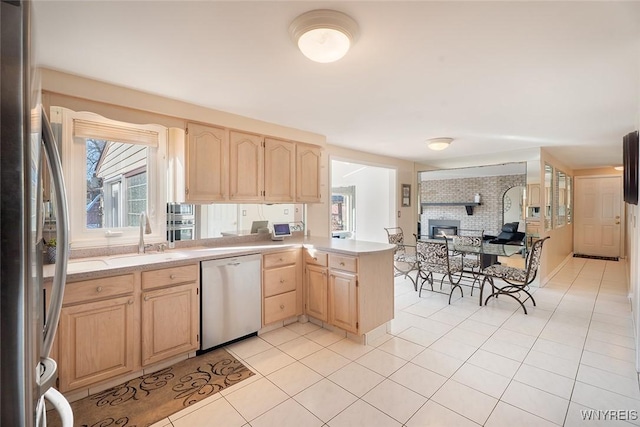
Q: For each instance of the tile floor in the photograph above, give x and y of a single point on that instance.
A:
(447, 365)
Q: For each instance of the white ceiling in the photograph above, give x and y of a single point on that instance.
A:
(499, 77)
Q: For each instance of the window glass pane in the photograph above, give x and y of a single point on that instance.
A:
(116, 183)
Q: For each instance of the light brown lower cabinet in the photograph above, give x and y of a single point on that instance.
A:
(343, 300)
(117, 325)
(169, 322)
(317, 287)
(96, 341)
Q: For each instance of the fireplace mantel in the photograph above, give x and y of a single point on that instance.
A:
(468, 205)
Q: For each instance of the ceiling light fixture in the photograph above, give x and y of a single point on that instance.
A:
(324, 35)
(438, 144)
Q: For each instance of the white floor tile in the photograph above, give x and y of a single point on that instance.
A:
(608, 381)
(418, 379)
(256, 399)
(381, 362)
(597, 398)
(294, 378)
(302, 328)
(435, 415)
(465, 401)
(361, 414)
(300, 347)
(325, 399)
(397, 401)
(287, 414)
(349, 349)
(536, 401)
(556, 349)
(249, 347)
(325, 337)
(454, 348)
(325, 362)
(270, 361)
(401, 348)
(545, 380)
(579, 415)
(438, 362)
(565, 367)
(219, 410)
(511, 351)
(279, 336)
(466, 337)
(356, 379)
(609, 364)
(420, 336)
(495, 363)
(506, 415)
(612, 350)
(482, 380)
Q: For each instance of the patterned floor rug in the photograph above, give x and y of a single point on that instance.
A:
(605, 258)
(147, 399)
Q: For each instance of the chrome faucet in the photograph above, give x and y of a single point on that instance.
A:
(145, 228)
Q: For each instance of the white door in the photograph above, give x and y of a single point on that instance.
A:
(598, 207)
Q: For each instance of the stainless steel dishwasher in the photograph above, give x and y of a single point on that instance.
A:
(230, 296)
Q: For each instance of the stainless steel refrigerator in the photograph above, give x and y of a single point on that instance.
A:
(27, 328)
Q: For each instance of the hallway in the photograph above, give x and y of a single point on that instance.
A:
(449, 365)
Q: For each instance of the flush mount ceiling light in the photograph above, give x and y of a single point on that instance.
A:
(323, 35)
(438, 144)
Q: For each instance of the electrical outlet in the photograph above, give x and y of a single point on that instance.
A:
(286, 211)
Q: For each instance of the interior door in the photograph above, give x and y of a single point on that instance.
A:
(598, 202)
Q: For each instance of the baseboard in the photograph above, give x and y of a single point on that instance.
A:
(555, 271)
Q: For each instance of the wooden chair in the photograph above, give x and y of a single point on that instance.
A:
(433, 257)
(403, 254)
(517, 279)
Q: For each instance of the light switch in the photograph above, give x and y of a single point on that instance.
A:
(286, 211)
(244, 212)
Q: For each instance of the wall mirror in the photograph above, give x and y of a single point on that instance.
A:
(548, 196)
(569, 199)
(561, 198)
(444, 196)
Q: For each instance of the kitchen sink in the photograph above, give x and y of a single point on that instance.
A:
(85, 265)
(136, 259)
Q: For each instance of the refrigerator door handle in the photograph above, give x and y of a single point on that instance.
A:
(62, 235)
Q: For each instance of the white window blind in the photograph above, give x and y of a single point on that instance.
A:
(97, 130)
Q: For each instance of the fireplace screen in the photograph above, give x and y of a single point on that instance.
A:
(443, 231)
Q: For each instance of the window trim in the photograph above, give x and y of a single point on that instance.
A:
(74, 171)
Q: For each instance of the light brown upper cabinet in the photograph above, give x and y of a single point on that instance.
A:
(246, 166)
(206, 166)
(279, 170)
(307, 173)
(261, 169)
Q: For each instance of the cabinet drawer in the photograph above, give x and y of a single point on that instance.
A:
(279, 307)
(315, 258)
(169, 276)
(279, 259)
(279, 280)
(343, 262)
(94, 289)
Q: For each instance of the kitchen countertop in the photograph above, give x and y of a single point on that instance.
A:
(89, 268)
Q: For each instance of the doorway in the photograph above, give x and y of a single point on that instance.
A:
(598, 223)
(362, 200)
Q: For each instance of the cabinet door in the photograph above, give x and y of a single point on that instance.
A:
(279, 170)
(317, 281)
(169, 322)
(343, 301)
(96, 342)
(245, 166)
(307, 173)
(534, 195)
(206, 168)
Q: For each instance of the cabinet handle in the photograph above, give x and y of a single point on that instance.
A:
(342, 263)
(99, 289)
(146, 298)
(282, 280)
(172, 276)
(130, 302)
(281, 306)
(315, 258)
(281, 260)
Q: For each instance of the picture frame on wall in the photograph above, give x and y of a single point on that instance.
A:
(406, 195)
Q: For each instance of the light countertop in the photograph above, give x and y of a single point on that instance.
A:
(89, 268)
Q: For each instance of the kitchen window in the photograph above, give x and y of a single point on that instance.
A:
(113, 172)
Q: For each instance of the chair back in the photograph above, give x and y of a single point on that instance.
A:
(468, 238)
(433, 253)
(396, 237)
(533, 259)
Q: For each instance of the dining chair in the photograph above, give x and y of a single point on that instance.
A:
(517, 280)
(471, 260)
(403, 254)
(433, 257)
